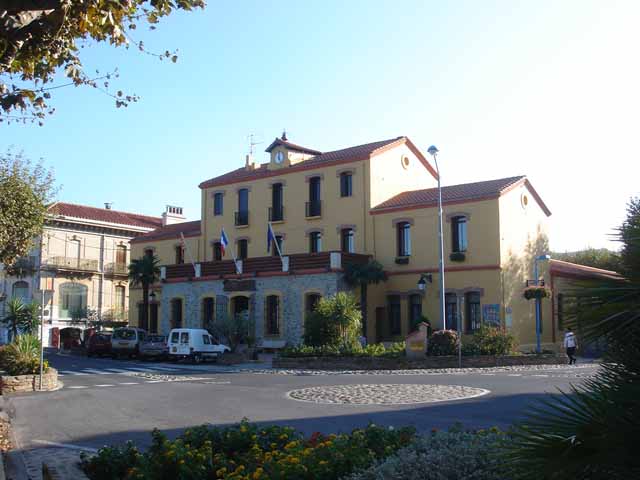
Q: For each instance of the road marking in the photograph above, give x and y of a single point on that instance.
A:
(539, 375)
(217, 383)
(129, 383)
(137, 369)
(166, 369)
(93, 370)
(114, 370)
(514, 375)
(78, 386)
(106, 385)
(66, 445)
(488, 374)
(154, 381)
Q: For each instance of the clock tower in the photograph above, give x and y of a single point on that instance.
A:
(285, 154)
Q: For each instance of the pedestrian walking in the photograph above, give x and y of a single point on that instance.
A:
(570, 345)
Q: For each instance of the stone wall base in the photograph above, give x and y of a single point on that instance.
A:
(28, 383)
(373, 363)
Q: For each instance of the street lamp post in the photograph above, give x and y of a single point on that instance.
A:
(433, 151)
(538, 301)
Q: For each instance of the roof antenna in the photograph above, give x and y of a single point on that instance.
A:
(252, 143)
(284, 135)
(108, 205)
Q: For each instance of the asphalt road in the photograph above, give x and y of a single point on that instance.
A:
(106, 401)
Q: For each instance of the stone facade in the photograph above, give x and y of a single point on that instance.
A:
(28, 383)
(292, 290)
(373, 363)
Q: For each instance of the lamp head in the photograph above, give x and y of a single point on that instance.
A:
(424, 278)
(543, 257)
(432, 150)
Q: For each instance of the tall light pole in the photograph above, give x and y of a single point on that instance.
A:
(538, 301)
(433, 151)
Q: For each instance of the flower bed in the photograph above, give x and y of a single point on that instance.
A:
(248, 452)
(373, 350)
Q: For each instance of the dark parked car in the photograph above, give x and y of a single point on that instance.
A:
(154, 346)
(99, 344)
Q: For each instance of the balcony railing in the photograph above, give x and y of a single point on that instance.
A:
(313, 208)
(72, 263)
(276, 214)
(242, 219)
(116, 268)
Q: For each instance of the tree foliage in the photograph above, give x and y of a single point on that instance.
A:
(588, 432)
(144, 272)
(335, 322)
(592, 257)
(25, 191)
(40, 38)
(356, 275)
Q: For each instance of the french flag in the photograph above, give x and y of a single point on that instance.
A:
(223, 241)
(270, 237)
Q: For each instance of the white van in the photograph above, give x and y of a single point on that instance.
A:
(195, 344)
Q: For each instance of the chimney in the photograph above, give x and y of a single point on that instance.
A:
(172, 215)
(250, 163)
(107, 205)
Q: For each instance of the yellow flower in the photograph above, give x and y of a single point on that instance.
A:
(243, 428)
(294, 460)
(220, 472)
(323, 462)
(256, 475)
(291, 445)
(283, 436)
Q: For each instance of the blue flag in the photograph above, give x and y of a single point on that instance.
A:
(270, 237)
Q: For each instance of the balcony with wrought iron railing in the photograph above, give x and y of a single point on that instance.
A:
(276, 214)
(313, 208)
(116, 268)
(242, 219)
(71, 263)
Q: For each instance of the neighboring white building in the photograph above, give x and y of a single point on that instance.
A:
(82, 258)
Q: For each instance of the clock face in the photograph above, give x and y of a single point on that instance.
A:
(279, 157)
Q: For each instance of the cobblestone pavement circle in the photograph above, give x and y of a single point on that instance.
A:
(389, 394)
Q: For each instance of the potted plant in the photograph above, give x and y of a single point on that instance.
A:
(536, 292)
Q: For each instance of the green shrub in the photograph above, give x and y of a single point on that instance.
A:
(490, 341)
(356, 350)
(443, 342)
(452, 455)
(22, 357)
(248, 451)
(335, 322)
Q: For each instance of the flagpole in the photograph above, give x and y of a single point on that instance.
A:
(233, 255)
(184, 245)
(275, 241)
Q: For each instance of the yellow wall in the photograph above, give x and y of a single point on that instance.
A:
(165, 249)
(523, 236)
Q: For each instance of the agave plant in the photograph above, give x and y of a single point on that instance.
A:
(589, 432)
(22, 357)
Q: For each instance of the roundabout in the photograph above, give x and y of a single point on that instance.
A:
(384, 394)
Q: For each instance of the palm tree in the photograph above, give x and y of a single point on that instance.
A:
(589, 432)
(144, 272)
(22, 317)
(362, 276)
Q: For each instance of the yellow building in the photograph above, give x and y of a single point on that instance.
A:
(329, 209)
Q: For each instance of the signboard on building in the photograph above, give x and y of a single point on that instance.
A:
(239, 285)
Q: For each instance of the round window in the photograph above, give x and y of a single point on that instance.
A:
(405, 162)
(524, 200)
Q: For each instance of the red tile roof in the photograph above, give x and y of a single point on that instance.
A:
(566, 269)
(456, 193)
(104, 215)
(188, 229)
(345, 155)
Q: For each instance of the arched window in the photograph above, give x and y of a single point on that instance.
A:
(272, 315)
(20, 290)
(176, 313)
(73, 299)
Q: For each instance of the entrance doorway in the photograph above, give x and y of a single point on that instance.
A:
(239, 305)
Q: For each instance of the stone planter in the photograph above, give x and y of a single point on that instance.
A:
(403, 363)
(28, 383)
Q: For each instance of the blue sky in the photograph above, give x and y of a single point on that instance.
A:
(542, 88)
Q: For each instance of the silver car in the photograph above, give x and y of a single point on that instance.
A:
(126, 341)
(154, 346)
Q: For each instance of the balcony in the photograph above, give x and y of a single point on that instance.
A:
(71, 263)
(242, 219)
(276, 214)
(313, 209)
(264, 266)
(115, 268)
